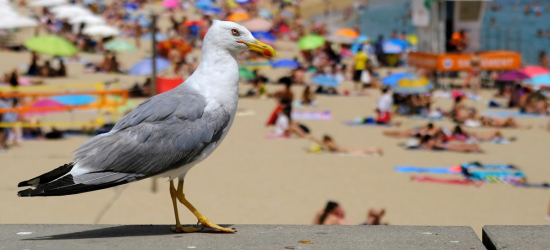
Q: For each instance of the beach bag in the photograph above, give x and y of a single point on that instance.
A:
(365, 77)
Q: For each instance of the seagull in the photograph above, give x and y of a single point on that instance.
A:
(167, 134)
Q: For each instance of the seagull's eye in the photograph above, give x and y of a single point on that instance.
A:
(235, 32)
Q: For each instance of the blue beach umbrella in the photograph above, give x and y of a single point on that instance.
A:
(327, 81)
(264, 36)
(144, 67)
(394, 46)
(393, 79)
(285, 63)
(242, 1)
(211, 11)
(203, 4)
(540, 80)
(74, 100)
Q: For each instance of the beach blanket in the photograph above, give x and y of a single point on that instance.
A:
(300, 115)
(510, 113)
(412, 169)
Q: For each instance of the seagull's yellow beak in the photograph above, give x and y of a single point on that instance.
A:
(260, 47)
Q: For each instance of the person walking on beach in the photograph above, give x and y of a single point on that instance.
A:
(360, 64)
(384, 106)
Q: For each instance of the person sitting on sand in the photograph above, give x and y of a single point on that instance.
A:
(333, 214)
(47, 70)
(435, 143)
(62, 70)
(329, 145)
(308, 98)
(374, 217)
(285, 127)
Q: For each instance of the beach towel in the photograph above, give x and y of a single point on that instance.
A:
(300, 115)
(510, 113)
(412, 169)
(369, 121)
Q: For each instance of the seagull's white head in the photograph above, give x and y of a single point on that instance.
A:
(235, 38)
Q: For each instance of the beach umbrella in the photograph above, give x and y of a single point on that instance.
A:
(286, 63)
(237, 17)
(120, 46)
(264, 64)
(170, 4)
(70, 11)
(311, 42)
(210, 11)
(533, 71)
(87, 19)
(47, 3)
(347, 33)
(204, 4)
(257, 24)
(413, 85)
(393, 79)
(101, 30)
(362, 39)
(130, 7)
(326, 81)
(144, 67)
(46, 103)
(159, 37)
(242, 1)
(51, 45)
(514, 75)
(74, 100)
(264, 36)
(540, 80)
(394, 46)
(9, 22)
(246, 74)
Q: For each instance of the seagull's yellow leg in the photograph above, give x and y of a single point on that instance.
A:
(202, 220)
(178, 228)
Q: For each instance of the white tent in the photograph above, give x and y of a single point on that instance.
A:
(47, 3)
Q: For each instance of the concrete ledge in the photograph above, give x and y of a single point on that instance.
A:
(136, 237)
(516, 237)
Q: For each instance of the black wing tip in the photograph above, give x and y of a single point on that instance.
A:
(25, 193)
(23, 184)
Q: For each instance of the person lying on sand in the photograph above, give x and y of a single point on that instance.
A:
(460, 134)
(509, 122)
(329, 145)
(435, 143)
(428, 129)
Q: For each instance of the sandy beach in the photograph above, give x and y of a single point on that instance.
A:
(254, 180)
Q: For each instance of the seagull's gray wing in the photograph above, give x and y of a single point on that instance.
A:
(163, 133)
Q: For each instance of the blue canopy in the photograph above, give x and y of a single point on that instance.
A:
(324, 80)
(145, 67)
(242, 1)
(540, 80)
(393, 79)
(74, 100)
(263, 35)
(211, 11)
(285, 63)
(394, 46)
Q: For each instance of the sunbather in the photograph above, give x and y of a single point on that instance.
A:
(434, 143)
(330, 145)
(429, 129)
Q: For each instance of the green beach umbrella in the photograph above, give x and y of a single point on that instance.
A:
(51, 45)
(311, 42)
(246, 73)
(120, 46)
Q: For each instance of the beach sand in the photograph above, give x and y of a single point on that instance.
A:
(254, 180)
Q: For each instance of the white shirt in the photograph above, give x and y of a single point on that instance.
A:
(385, 103)
(281, 125)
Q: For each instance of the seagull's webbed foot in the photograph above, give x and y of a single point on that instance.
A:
(203, 221)
(206, 223)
